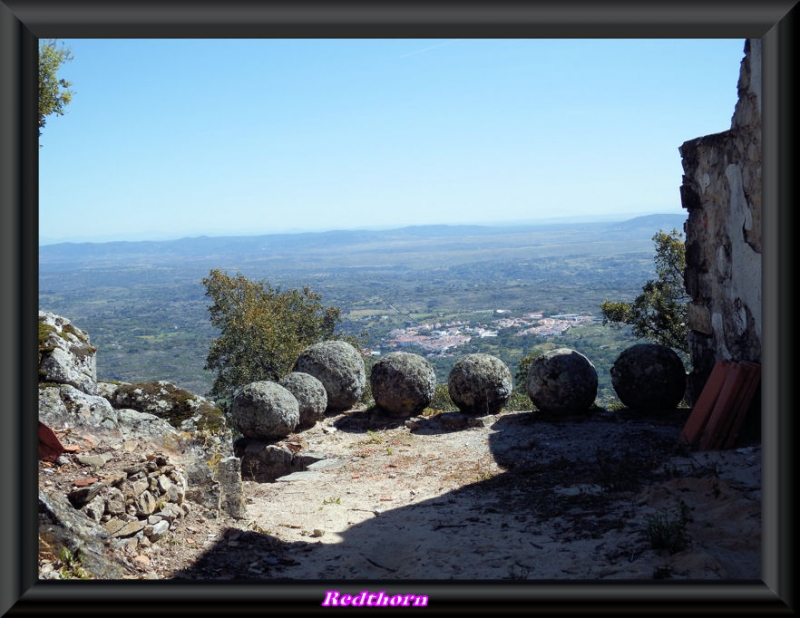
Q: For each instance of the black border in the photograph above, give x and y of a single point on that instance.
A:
(23, 22)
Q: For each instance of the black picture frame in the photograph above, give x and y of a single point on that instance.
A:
(23, 22)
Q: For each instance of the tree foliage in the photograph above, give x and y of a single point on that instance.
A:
(521, 375)
(659, 312)
(54, 92)
(262, 330)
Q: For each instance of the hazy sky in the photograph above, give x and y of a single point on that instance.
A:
(175, 138)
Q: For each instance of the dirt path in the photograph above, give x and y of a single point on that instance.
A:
(513, 496)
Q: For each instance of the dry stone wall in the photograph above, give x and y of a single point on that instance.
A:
(722, 192)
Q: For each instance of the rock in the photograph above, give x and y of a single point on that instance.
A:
(156, 416)
(81, 496)
(62, 526)
(308, 459)
(115, 501)
(152, 483)
(310, 394)
(480, 384)
(263, 462)
(562, 380)
(114, 525)
(183, 409)
(340, 368)
(65, 405)
(200, 443)
(65, 354)
(266, 463)
(264, 410)
(158, 531)
(93, 461)
(130, 528)
(145, 504)
(95, 509)
(194, 426)
(402, 383)
(457, 421)
(650, 376)
(229, 476)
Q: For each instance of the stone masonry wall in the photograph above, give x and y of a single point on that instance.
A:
(722, 191)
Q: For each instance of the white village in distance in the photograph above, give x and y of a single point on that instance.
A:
(440, 338)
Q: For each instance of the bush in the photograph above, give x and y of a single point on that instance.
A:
(521, 375)
(668, 532)
(262, 330)
(441, 401)
(659, 312)
(519, 402)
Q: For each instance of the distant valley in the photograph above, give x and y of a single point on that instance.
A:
(144, 306)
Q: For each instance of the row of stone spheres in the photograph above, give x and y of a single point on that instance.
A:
(330, 377)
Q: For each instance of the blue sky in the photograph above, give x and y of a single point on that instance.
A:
(175, 138)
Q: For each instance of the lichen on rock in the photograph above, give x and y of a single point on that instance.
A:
(182, 408)
(65, 354)
(562, 381)
(264, 410)
(402, 383)
(310, 394)
(340, 368)
(649, 376)
(480, 384)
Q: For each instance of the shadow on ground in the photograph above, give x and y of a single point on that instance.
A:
(565, 480)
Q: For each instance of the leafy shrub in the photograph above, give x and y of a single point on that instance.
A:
(441, 400)
(521, 375)
(659, 312)
(665, 531)
(262, 330)
(519, 401)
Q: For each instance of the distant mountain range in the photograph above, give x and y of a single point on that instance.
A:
(412, 238)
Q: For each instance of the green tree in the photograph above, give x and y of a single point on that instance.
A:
(54, 92)
(659, 312)
(262, 330)
(521, 375)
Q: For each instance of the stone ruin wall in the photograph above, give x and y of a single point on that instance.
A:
(722, 192)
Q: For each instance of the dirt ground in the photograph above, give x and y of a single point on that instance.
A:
(519, 495)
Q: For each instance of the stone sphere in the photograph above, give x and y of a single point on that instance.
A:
(480, 384)
(340, 368)
(264, 410)
(562, 380)
(402, 383)
(649, 375)
(310, 394)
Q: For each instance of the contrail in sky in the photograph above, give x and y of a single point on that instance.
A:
(421, 51)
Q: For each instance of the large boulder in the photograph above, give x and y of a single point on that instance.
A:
(310, 394)
(181, 408)
(402, 383)
(263, 462)
(340, 368)
(480, 384)
(65, 354)
(561, 381)
(264, 410)
(649, 375)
